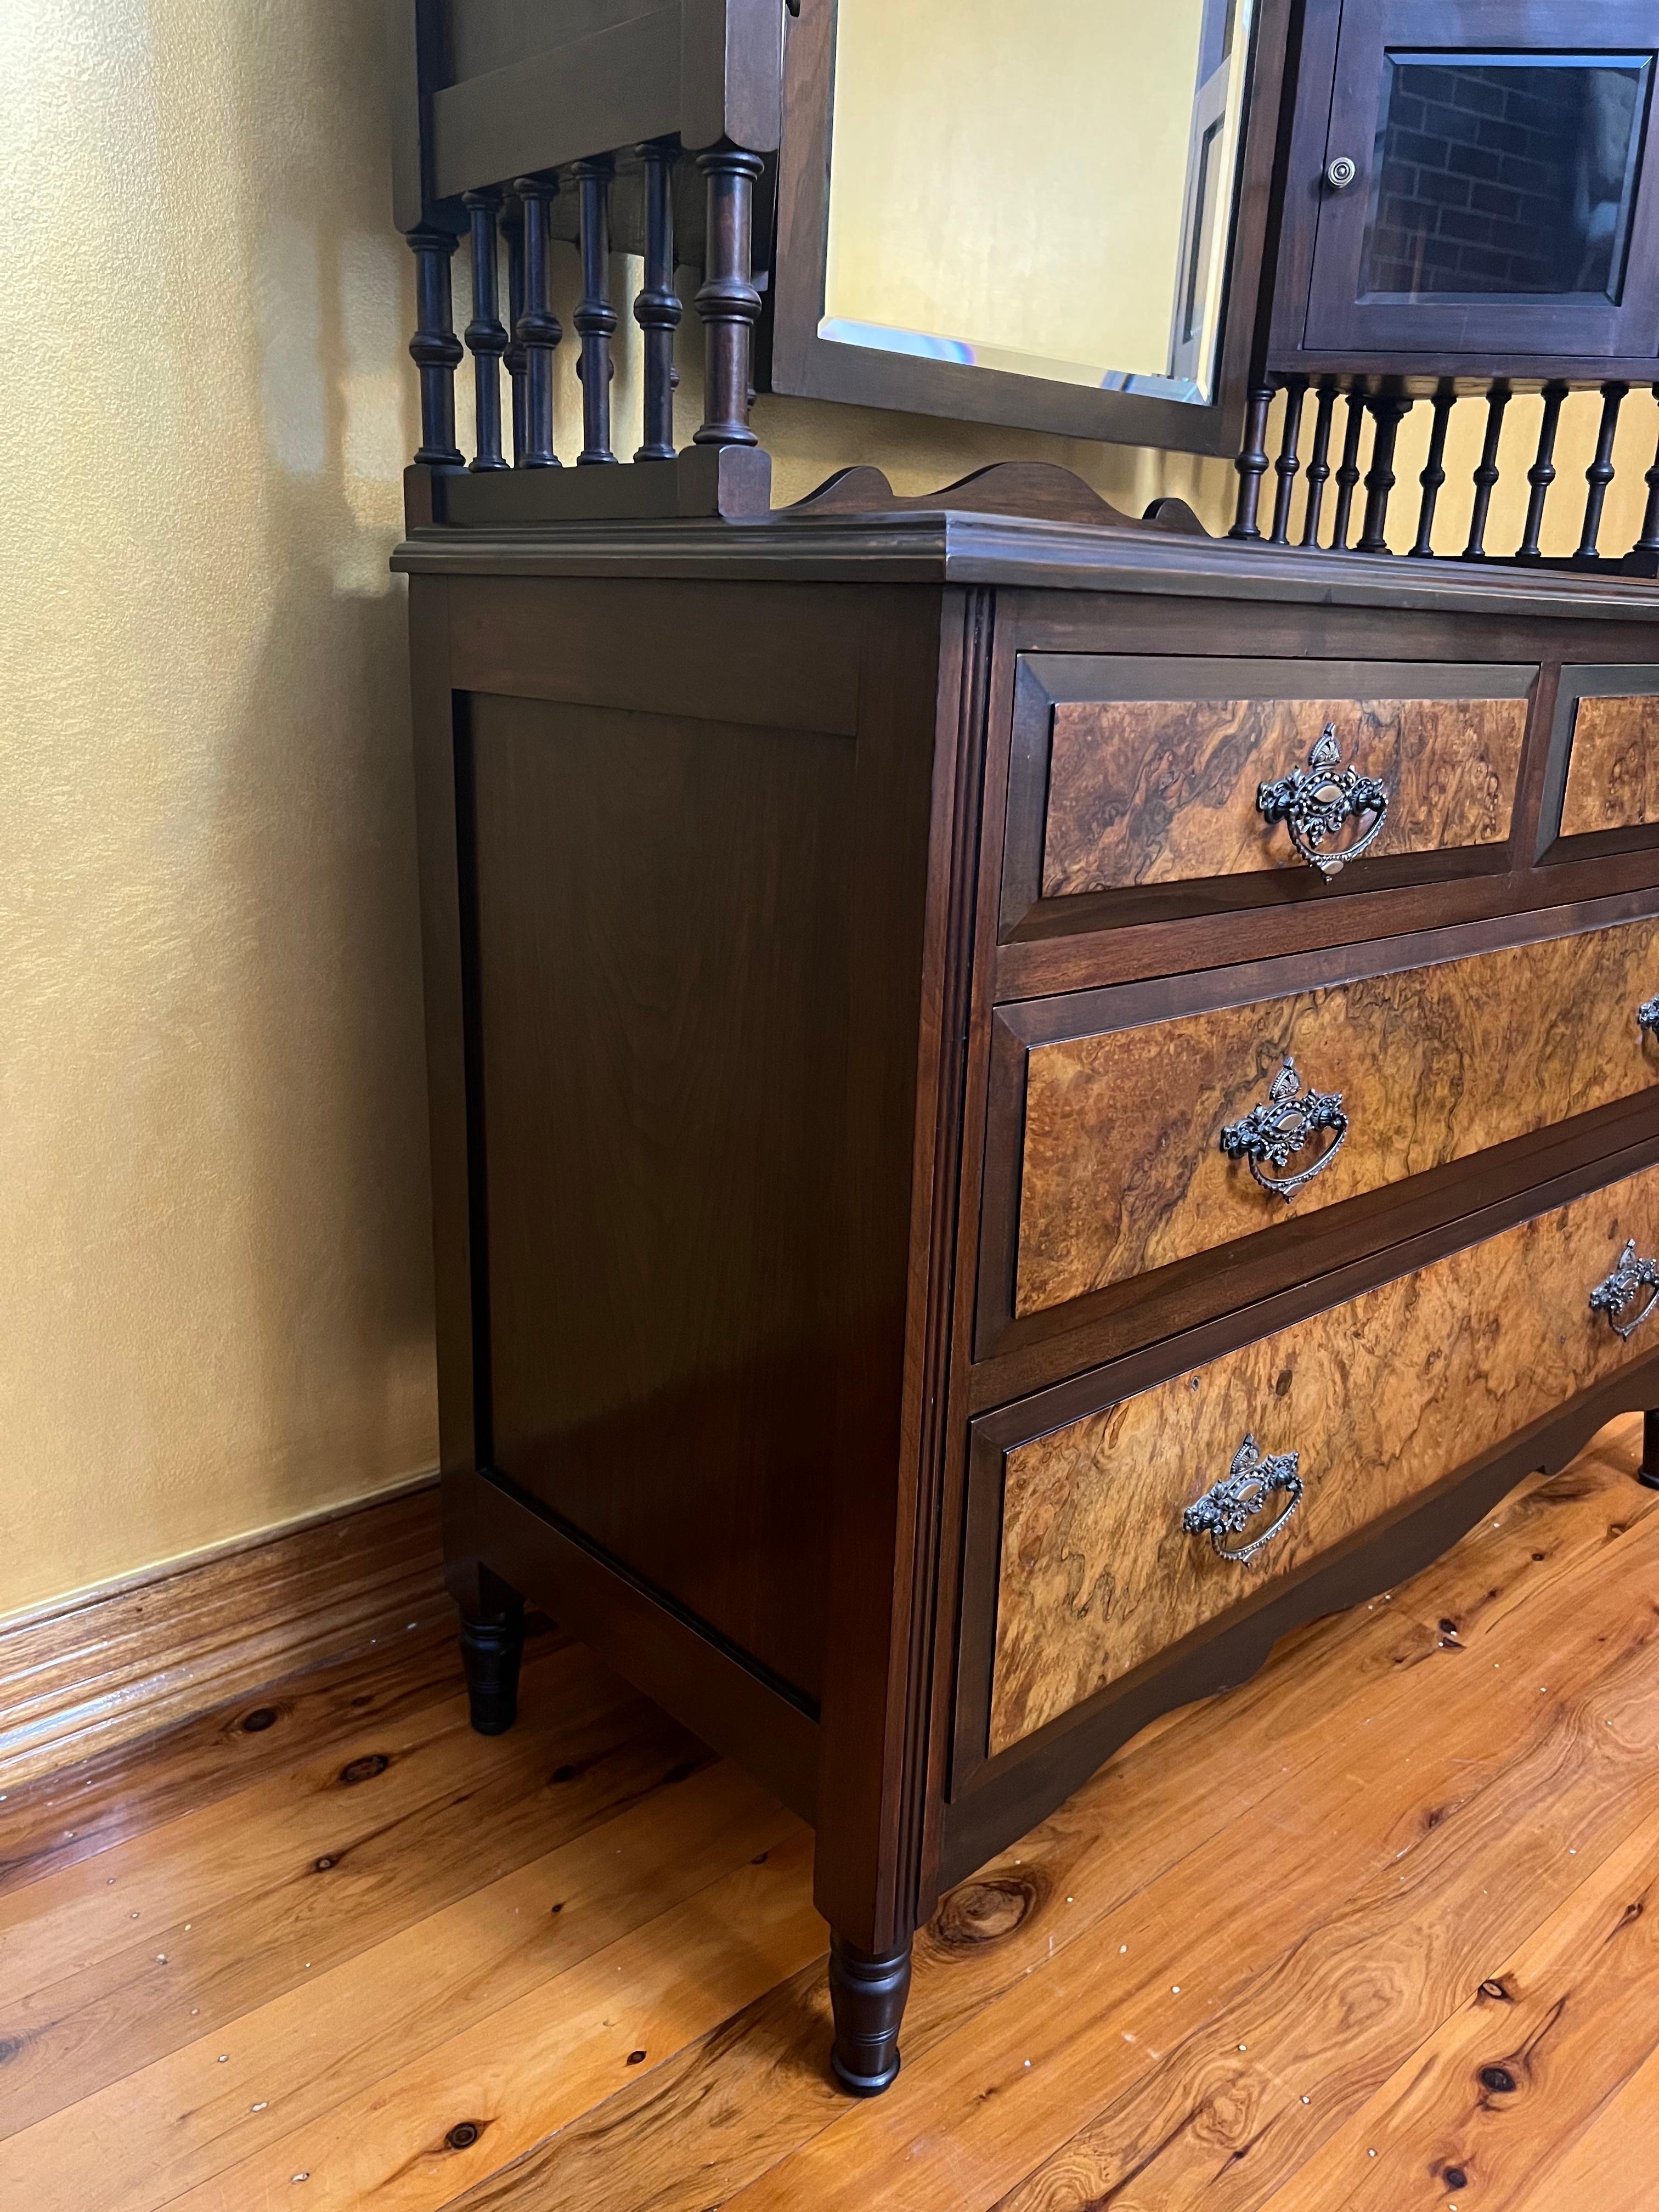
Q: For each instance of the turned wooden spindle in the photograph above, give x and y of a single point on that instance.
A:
(727, 301)
(1347, 473)
(1433, 476)
(1485, 472)
(1599, 475)
(539, 329)
(1541, 475)
(486, 334)
(435, 348)
(514, 358)
(1387, 414)
(656, 308)
(1285, 468)
(1252, 462)
(595, 317)
(1319, 460)
(1648, 541)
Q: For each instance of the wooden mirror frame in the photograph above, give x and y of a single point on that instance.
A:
(796, 360)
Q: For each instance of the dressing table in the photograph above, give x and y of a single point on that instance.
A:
(1021, 1098)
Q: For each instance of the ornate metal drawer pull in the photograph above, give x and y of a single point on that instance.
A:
(1229, 1509)
(1622, 1286)
(1314, 802)
(1647, 1016)
(1270, 1133)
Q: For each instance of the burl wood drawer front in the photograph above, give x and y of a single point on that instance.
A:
(1129, 773)
(1605, 756)
(1380, 1398)
(1122, 1167)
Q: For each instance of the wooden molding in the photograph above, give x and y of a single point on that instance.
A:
(127, 1661)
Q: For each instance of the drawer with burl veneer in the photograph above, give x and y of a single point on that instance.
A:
(1602, 786)
(1134, 1129)
(1144, 788)
(1105, 1539)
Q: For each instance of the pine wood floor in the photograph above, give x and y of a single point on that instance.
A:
(1375, 1932)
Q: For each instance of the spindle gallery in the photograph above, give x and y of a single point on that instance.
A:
(727, 305)
(1372, 428)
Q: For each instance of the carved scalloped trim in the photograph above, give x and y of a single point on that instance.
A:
(1039, 491)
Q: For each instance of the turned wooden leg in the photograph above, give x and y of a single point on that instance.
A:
(1648, 1470)
(492, 1643)
(867, 1991)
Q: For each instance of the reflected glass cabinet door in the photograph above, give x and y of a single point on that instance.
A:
(1484, 187)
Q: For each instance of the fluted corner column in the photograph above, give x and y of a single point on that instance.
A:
(728, 302)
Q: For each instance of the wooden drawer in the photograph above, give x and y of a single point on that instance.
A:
(1602, 790)
(1382, 1398)
(1135, 783)
(1111, 1119)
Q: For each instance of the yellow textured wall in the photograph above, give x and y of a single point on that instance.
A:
(215, 1304)
(215, 1301)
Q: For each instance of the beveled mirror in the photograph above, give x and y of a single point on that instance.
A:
(1050, 216)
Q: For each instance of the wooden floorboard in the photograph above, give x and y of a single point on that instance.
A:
(1374, 1930)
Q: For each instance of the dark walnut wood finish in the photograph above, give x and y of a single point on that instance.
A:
(732, 848)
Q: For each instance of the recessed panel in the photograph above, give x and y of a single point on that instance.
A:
(1613, 770)
(659, 1010)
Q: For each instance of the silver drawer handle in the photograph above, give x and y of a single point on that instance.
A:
(1314, 802)
(1229, 1509)
(1270, 1134)
(1647, 1017)
(1623, 1288)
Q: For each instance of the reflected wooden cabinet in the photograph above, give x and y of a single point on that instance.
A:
(888, 1301)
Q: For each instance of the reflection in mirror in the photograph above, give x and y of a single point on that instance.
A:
(1047, 188)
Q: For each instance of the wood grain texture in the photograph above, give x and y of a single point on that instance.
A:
(662, 956)
(670, 2143)
(1613, 2165)
(88, 1677)
(1097, 1574)
(1612, 770)
(1337, 1893)
(308, 1868)
(1159, 792)
(77, 1812)
(482, 2047)
(1561, 2018)
(1122, 1167)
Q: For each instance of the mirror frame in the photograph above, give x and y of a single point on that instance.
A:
(794, 360)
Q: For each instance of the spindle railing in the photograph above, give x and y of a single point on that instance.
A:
(1374, 409)
(1313, 505)
(525, 346)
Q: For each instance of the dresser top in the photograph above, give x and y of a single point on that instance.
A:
(945, 547)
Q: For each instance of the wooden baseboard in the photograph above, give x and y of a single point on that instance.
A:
(125, 1663)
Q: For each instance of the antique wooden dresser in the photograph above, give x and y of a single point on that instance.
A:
(1017, 1108)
